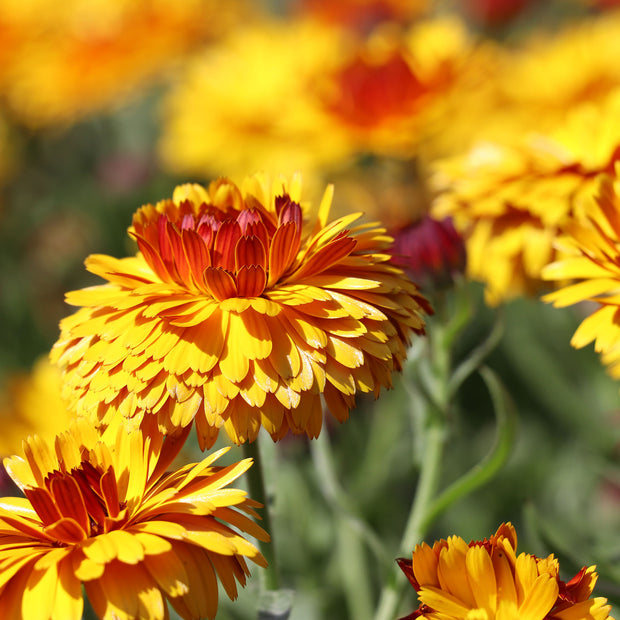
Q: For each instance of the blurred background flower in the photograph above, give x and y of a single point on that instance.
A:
(30, 403)
(64, 62)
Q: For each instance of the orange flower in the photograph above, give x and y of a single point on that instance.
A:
(486, 580)
(65, 60)
(383, 92)
(101, 511)
(590, 268)
(236, 314)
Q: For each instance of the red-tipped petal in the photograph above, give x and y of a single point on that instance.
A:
(220, 283)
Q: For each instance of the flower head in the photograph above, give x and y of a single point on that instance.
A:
(383, 92)
(539, 77)
(591, 265)
(254, 87)
(236, 313)
(511, 200)
(62, 62)
(101, 511)
(431, 251)
(486, 580)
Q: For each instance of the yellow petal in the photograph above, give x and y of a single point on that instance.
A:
(481, 578)
(169, 573)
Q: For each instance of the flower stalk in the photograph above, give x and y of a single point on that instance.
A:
(432, 385)
(270, 579)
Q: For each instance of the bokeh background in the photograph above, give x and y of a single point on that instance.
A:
(107, 105)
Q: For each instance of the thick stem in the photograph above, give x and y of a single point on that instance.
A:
(352, 533)
(417, 522)
(353, 563)
(256, 484)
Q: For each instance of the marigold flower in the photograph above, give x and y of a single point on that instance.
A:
(486, 580)
(31, 404)
(101, 511)
(63, 62)
(382, 93)
(511, 200)
(226, 96)
(238, 314)
(592, 264)
(539, 79)
(328, 95)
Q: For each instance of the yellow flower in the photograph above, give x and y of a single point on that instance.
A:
(62, 62)
(592, 262)
(387, 93)
(486, 580)
(31, 404)
(503, 92)
(254, 89)
(102, 511)
(553, 72)
(328, 94)
(510, 200)
(238, 314)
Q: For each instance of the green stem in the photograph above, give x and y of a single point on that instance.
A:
(256, 484)
(478, 355)
(337, 497)
(485, 470)
(430, 379)
(418, 520)
(351, 532)
(353, 564)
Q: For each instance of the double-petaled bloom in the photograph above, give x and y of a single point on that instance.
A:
(486, 580)
(101, 511)
(512, 200)
(591, 265)
(236, 313)
(60, 63)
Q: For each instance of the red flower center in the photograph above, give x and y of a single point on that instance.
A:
(369, 94)
(221, 253)
(78, 504)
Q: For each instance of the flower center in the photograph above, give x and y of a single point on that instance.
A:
(371, 93)
(221, 252)
(78, 504)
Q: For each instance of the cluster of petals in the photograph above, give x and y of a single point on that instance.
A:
(431, 251)
(591, 266)
(549, 132)
(386, 93)
(511, 199)
(101, 511)
(237, 314)
(486, 580)
(60, 63)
